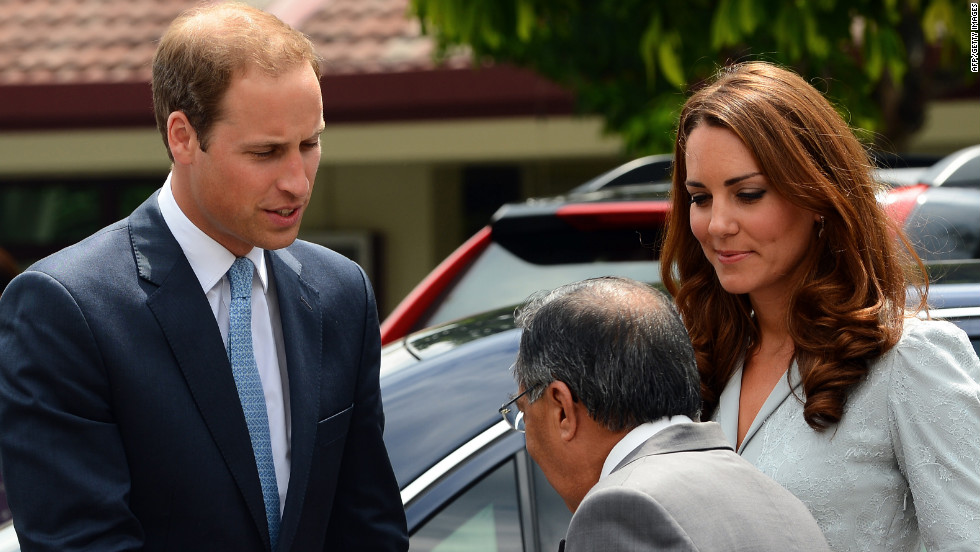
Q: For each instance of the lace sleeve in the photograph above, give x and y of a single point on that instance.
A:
(934, 409)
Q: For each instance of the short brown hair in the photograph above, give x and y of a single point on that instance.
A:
(204, 48)
(850, 306)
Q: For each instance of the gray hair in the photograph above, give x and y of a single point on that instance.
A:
(618, 344)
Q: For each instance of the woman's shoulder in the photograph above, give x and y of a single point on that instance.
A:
(919, 334)
(932, 349)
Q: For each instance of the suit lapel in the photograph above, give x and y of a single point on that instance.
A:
(727, 412)
(184, 315)
(783, 390)
(728, 404)
(300, 315)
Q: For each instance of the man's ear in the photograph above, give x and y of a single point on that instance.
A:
(569, 416)
(181, 137)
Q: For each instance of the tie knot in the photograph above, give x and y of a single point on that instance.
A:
(240, 276)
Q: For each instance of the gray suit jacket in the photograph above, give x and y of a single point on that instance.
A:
(686, 489)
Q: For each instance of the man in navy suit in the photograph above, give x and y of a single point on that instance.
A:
(121, 421)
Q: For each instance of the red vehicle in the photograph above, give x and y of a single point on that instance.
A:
(612, 225)
(609, 225)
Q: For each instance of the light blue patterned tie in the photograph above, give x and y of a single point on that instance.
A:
(250, 387)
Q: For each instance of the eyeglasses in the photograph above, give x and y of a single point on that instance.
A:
(512, 415)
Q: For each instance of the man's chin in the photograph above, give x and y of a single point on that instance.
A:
(277, 240)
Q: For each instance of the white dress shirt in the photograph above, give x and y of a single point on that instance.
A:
(211, 262)
(636, 437)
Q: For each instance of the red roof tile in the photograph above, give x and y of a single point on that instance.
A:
(76, 41)
(86, 64)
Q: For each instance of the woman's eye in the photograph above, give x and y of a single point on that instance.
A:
(698, 199)
(751, 195)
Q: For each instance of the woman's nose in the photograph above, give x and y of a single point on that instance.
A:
(722, 221)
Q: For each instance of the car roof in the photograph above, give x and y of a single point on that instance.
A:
(644, 170)
(653, 169)
(960, 169)
(442, 386)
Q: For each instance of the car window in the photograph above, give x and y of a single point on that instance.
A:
(485, 518)
(966, 175)
(946, 224)
(499, 278)
(552, 514)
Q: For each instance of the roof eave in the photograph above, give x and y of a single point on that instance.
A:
(358, 97)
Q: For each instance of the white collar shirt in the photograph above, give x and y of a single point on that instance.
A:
(636, 437)
(210, 262)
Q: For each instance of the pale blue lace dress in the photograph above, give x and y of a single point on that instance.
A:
(903, 463)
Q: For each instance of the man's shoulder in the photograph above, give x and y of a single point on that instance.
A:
(680, 484)
(95, 253)
(93, 272)
(686, 458)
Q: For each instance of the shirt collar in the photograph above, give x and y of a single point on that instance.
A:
(636, 437)
(209, 259)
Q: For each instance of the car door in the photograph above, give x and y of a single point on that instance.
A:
(491, 498)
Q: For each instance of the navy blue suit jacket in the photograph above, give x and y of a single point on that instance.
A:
(120, 425)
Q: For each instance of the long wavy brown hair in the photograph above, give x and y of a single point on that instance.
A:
(849, 307)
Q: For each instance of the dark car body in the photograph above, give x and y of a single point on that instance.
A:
(458, 463)
(461, 468)
(450, 379)
(940, 211)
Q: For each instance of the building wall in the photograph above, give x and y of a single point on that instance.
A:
(395, 191)
(948, 127)
(389, 191)
(393, 205)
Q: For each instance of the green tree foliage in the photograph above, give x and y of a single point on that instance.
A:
(634, 61)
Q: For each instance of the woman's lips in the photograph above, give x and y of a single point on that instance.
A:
(731, 257)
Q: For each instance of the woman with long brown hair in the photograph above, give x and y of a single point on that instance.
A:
(792, 283)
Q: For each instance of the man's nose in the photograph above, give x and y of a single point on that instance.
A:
(293, 178)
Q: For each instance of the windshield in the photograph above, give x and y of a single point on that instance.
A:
(499, 278)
